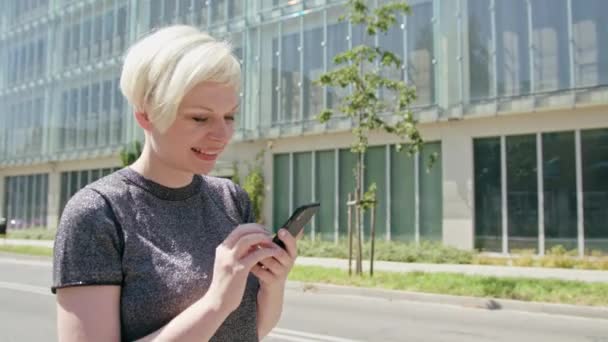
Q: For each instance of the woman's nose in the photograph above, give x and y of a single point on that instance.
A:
(221, 132)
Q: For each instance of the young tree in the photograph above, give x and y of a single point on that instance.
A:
(130, 152)
(361, 69)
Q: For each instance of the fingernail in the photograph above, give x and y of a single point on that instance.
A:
(282, 232)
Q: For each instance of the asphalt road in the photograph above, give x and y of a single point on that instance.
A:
(27, 313)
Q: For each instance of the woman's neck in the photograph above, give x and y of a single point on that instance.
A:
(154, 169)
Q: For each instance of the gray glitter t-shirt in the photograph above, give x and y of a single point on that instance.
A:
(157, 243)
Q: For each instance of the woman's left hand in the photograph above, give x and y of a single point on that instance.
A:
(272, 272)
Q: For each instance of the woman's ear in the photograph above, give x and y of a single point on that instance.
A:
(144, 121)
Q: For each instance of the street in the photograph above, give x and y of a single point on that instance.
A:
(27, 313)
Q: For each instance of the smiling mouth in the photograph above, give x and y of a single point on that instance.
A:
(204, 155)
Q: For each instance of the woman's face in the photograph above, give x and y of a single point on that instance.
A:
(203, 126)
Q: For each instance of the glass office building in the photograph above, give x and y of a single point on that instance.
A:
(511, 94)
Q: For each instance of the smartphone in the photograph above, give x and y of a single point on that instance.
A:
(296, 222)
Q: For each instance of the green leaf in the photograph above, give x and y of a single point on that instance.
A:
(325, 115)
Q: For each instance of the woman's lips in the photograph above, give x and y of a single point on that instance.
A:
(205, 155)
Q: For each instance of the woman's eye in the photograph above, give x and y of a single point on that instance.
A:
(197, 119)
(230, 118)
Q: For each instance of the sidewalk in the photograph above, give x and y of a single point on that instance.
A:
(496, 271)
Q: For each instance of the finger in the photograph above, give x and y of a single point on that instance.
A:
(263, 274)
(242, 230)
(284, 258)
(290, 243)
(274, 266)
(260, 254)
(248, 243)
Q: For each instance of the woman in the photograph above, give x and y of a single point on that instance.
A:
(156, 252)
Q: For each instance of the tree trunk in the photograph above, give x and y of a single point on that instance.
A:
(359, 212)
(373, 240)
(350, 232)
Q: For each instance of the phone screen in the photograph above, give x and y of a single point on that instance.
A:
(296, 222)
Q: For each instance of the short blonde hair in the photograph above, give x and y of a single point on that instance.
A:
(161, 68)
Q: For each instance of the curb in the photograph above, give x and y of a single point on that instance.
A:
(465, 301)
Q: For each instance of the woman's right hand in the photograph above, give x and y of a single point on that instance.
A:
(234, 258)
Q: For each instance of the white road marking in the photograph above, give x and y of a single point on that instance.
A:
(46, 291)
(296, 336)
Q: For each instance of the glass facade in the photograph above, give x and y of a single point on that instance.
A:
(60, 101)
(542, 192)
(64, 103)
(26, 201)
(330, 179)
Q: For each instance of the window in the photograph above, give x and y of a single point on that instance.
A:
(290, 70)
(117, 114)
(66, 45)
(105, 116)
(122, 28)
(218, 11)
(97, 36)
(184, 10)
(41, 60)
(375, 171)
(326, 194)
(313, 64)
(82, 116)
(512, 44)
(302, 182)
(559, 190)
(431, 193)
(269, 69)
(337, 34)
(590, 29)
(75, 47)
(392, 41)
(480, 39)
(108, 33)
(169, 15)
(488, 200)
(86, 39)
(346, 185)
(421, 71)
(93, 123)
(155, 14)
(594, 145)
(522, 192)
(550, 39)
(281, 174)
(72, 119)
(403, 196)
(235, 8)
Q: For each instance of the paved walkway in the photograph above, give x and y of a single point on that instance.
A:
(498, 271)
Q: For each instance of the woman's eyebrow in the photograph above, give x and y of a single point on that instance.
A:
(211, 110)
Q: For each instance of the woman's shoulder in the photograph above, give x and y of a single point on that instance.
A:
(230, 195)
(97, 195)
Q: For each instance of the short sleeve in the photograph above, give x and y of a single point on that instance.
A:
(88, 244)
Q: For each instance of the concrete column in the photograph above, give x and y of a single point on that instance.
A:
(52, 214)
(458, 204)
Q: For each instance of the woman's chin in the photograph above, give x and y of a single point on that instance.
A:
(205, 168)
